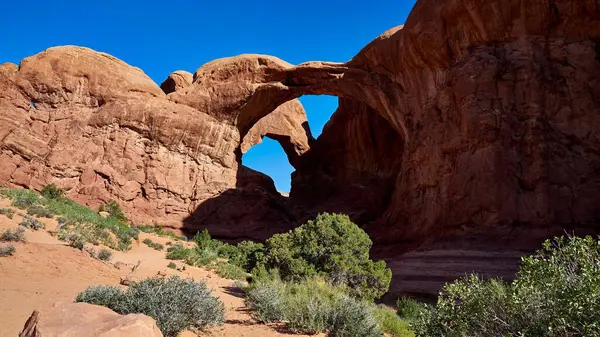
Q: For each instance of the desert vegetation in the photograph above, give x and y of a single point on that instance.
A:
(176, 304)
(77, 224)
(153, 245)
(13, 235)
(7, 250)
(556, 293)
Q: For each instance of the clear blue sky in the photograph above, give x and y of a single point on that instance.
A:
(163, 36)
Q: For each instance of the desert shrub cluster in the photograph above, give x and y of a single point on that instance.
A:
(77, 223)
(13, 235)
(159, 230)
(316, 278)
(7, 250)
(8, 212)
(176, 304)
(312, 306)
(153, 245)
(556, 293)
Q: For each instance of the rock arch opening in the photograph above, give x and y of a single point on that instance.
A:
(269, 158)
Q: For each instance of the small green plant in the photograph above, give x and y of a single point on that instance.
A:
(105, 255)
(230, 271)
(153, 245)
(178, 252)
(390, 323)
(7, 250)
(31, 223)
(409, 309)
(8, 212)
(76, 218)
(13, 235)
(115, 211)
(172, 265)
(74, 240)
(158, 230)
(176, 304)
(52, 192)
(22, 199)
(39, 211)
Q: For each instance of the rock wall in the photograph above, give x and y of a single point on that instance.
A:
(103, 130)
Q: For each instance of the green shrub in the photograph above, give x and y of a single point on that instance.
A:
(178, 252)
(105, 254)
(8, 212)
(248, 255)
(351, 317)
(78, 218)
(13, 235)
(409, 309)
(52, 192)
(230, 271)
(556, 293)
(267, 301)
(22, 199)
(152, 244)
(39, 211)
(70, 231)
(31, 223)
(158, 230)
(199, 257)
(311, 307)
(390, 323)
(176, 304)
(114, 209)
(74, 240)
(331, 246)
(7, 250)
(172, 265)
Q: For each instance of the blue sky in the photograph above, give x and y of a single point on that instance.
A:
(163, 36)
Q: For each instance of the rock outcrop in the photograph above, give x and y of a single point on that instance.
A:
(103, 130)
(177, 80)
(82, 319)
(472, 128)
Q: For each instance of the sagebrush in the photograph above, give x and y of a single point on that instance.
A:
(313, 306)
(176, 304)
(13, 235)
(7, 250)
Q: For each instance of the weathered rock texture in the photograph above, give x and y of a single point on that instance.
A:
(82, 319)
(103, 130)
(177, 80)
(472, 128)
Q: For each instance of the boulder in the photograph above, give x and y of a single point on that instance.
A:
(177, 80)
(83, 319)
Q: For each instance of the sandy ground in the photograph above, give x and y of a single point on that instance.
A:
(44, 271)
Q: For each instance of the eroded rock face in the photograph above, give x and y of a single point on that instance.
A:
(83, 319)
(103, 130)
(177, 80)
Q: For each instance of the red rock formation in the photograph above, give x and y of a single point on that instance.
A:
(83, 319)
(472, 128)
(103, 130)
(177, 80)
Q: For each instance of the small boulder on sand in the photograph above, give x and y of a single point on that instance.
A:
(83, 319)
